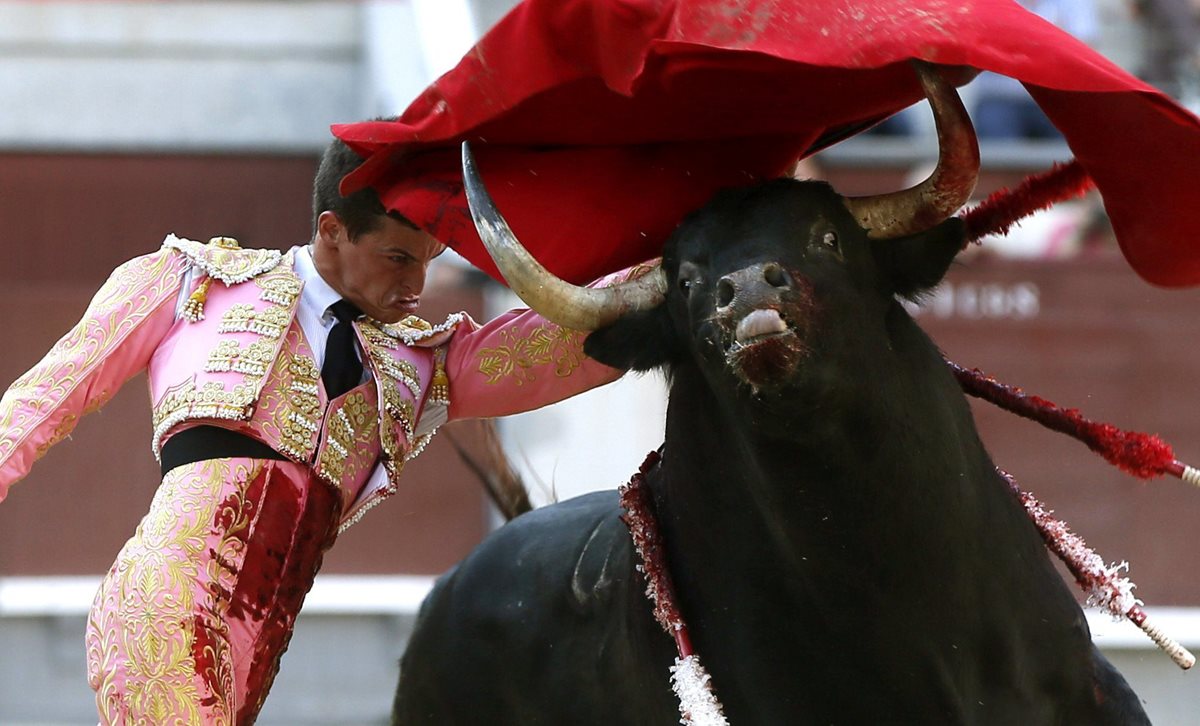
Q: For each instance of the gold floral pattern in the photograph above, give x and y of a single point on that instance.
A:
(291, 404)
(350, 430)
(547, 344)
(132, 294)
(157, 639)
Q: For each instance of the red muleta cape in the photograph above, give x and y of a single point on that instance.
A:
(598, 124)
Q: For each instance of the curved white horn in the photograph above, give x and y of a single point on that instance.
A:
(571, 306)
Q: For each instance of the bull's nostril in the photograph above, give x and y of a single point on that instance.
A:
(775, 275)
(725, 292)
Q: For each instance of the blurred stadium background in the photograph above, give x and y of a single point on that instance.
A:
(123, 121)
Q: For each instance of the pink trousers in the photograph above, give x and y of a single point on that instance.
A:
(189, 624)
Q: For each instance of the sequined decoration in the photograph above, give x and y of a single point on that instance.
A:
(302, 410)
(223, 259)
(412, 330)
(186, 402)
(255, 360)
(349, 429)
(269, 322)
(439, 387)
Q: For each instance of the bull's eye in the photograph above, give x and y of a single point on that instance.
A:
(830, 240)
(685, 286)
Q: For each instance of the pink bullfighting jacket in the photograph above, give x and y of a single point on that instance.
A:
(228, 351)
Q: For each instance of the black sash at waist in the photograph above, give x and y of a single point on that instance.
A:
(212, 442)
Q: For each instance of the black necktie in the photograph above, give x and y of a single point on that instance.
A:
(342, 369)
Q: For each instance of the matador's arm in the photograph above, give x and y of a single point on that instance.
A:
(114, 340)
(520, 361)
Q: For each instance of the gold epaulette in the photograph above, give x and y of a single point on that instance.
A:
(419, 332)
(222, 258)
(416, 324)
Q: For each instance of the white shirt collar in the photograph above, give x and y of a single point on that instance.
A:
(317, 295)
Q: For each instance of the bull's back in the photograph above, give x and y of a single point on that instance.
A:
(527, 628)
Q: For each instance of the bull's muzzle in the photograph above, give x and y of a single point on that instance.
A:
(752, 286)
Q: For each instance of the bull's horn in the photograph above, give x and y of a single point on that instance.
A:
(571, 306)
(949, 186)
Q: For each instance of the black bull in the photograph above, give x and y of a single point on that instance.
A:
(843, 548)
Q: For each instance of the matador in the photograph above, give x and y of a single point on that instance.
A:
(265, 459)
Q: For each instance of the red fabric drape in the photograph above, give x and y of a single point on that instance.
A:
(598, 124)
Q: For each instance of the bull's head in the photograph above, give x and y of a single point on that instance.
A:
(747, 281)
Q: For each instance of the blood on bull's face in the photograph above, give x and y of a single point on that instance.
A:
(755, 279)
(747, 283)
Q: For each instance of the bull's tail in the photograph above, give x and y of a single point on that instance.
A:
(495, 471)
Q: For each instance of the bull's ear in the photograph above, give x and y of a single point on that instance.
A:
(638, 341)
(916, 263)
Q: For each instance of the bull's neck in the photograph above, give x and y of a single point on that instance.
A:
(859, 471)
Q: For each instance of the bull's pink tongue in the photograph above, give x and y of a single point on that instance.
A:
(760, 322)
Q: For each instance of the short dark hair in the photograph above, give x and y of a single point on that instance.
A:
(360, 212)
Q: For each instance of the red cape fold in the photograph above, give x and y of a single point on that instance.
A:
(598, 124)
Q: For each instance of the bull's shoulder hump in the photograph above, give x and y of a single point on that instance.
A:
(566, 525)
(581, 541)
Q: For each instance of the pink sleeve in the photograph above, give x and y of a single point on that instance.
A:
(114, 340)
(520, 361)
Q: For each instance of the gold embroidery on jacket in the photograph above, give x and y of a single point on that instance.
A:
(413, 330)
(61, 431)
(253, 359)
(224, 260)
(396, 411)
(547, 344)
(67, 425)
(300, 413)
(280, 289)
(185, 402)
(439, 388)
(398, 370)
(269, 322)
(349, 429)
(392, 373)
(132, 294)
(376, 335)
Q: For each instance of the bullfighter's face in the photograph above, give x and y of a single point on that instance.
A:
(382, 270)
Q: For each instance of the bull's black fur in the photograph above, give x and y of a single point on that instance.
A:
(843, 549)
